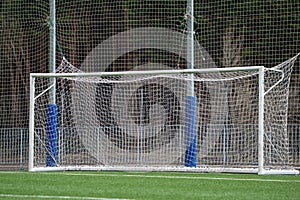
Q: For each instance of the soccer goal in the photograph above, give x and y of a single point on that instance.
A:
(236, 120)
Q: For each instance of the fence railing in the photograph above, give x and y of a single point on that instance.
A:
(294, 143)
(14, 147)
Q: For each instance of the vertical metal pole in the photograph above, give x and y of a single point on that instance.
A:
(190, 121)
(190, 44)
(261, 122)
(51, 155)
(31, 125)
(140, 147)
(52, 52)
(21, 149)
(225, 136)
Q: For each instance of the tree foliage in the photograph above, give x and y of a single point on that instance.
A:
(252, 32)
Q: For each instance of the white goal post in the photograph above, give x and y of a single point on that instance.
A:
(141, 120)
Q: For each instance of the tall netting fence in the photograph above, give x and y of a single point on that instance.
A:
(24, 47)
(123, 35)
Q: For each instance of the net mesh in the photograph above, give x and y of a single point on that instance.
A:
(128, 34)
(141, 120)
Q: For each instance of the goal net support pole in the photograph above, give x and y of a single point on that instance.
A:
(190, 153)
(51, 132)
(52, 50)
(51, 114)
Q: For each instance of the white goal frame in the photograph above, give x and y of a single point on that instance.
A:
(259, 170)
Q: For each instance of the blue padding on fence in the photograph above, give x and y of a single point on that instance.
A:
(190, 124)
(51, 132)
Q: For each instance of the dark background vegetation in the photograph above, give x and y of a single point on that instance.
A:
(235, 33)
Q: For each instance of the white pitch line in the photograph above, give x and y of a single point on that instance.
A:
(56, 197)
(187, 177)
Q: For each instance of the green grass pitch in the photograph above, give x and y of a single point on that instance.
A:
(146, 185)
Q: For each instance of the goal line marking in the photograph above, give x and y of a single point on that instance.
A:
(56, 197)
(187, 177)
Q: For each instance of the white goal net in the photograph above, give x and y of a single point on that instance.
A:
(146, 120)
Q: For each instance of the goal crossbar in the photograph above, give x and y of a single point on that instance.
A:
(152, 72)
